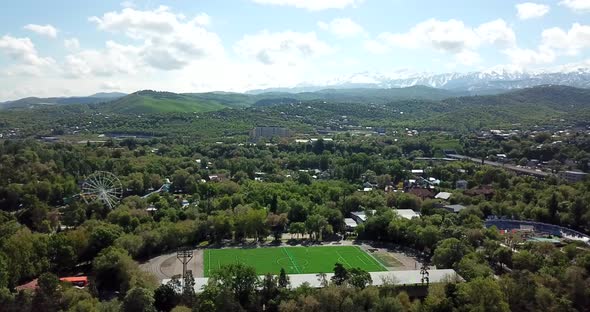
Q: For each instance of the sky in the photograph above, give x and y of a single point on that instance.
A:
(71, 48)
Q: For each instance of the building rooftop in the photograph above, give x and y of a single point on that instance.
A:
(576, 172)
(407, 213)
(361, 214)
(454, 208)
(350, 222)
(443, 195)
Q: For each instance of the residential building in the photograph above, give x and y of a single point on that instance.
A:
(350, 224)
(422, 193)
(269, 132)
(454, 208)
(573, 176)
(485, 190)
(360, 216)
(407, 213)
(443, 195)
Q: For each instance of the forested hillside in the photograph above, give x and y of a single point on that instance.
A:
(541, 106)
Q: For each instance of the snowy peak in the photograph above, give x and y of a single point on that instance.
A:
(491, 80)
(496, 79)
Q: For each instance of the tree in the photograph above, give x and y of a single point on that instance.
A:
(315, 225)
(526, 260)
(473, 266)
(579, 209)
(102, 236)
(340, 274)
(4, 274)
(553, 207)
(116, 271)
(188, 289)
(47, 295)
(483, 294)
(165, 298)
(359, 278)
(277, 224)
(269, 291)
(448, 252)
(139, 300)
(388, 304)
(283, 279)
(304, 178)
(503, 255)
(62, 254)
(236, 279)
(297, 228)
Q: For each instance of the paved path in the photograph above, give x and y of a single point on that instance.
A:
(166, 266)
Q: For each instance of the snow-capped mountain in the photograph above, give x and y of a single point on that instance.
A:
(489, 81)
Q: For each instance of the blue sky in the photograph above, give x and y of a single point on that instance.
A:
(55, 48)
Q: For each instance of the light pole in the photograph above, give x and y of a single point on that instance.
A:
(185, 257)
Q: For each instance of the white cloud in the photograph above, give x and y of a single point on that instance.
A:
(164, 40)
(342, 27)
(571, 42)
(375, 47)
(528, 10)
(468, 58)
(555, 42)
(114, 59)
(203, 19)
(523, 58)
(72, 44)
(44, 30)
(23, 51)
(497, 33)
(580, 6)
(288, 47)
(313, 5)
(452, 36)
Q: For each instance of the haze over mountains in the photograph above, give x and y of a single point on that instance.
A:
(359, 88)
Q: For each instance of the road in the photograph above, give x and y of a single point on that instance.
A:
(533, 172)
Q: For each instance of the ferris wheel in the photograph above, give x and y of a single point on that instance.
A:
(102, 186)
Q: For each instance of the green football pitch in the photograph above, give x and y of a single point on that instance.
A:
(295, 260)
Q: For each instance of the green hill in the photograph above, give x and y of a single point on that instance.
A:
(358, 95)
(145, 102)
(35, 102)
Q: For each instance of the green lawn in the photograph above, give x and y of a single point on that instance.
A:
(295, 260)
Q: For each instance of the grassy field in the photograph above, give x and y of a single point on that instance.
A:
(295, 260)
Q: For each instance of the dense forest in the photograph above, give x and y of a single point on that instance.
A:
(48, 231)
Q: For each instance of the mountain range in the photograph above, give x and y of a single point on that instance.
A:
(484, 82)
(358, 88)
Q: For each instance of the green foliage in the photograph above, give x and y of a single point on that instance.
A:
(139, 300)
(236, 279)
(448, 252)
